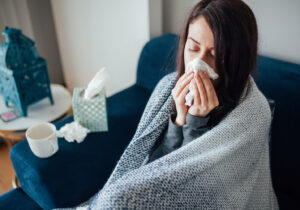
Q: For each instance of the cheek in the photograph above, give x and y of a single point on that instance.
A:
(213, 65)
(187, 57)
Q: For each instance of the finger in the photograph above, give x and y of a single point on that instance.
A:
(184, 76)
(182, 85)
(175, 89)
(210, 90)
(183, 94)
(201, 89)
(197, 100)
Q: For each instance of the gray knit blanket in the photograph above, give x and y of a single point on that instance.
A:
(228, 167)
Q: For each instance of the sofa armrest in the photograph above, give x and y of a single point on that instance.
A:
(78, 171)
(17, 199)
(74, 173)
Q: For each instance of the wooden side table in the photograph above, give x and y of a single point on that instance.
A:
(14, 131)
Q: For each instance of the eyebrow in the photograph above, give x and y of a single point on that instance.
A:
(212, 48)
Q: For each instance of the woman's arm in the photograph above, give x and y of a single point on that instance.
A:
(176, 136)
(171, 140)
(195, 127)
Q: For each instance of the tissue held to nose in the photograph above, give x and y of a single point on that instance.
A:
(198, 65)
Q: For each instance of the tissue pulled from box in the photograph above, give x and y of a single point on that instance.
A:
(96, 84)
(197, 65)
(73, 132)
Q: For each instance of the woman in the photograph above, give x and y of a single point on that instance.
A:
(174, 163)
(224, 35)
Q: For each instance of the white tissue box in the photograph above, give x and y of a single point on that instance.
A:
(92, 113)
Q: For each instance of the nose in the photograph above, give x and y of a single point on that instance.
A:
(204, 54)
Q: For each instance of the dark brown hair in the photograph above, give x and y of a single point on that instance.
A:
(235, 40)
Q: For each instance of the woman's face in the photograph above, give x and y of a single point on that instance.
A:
(200, 43)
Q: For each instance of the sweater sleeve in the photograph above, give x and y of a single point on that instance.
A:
(171, 140)
(194, 127)
(176, 136)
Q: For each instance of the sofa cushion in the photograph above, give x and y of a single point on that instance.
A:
(157, 59)
(16, 199)
(280, 81)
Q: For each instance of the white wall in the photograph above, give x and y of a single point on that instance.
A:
(279, 28)
(175, 13)
(278, 24)
(97, 33)
(14, 13)
(155, 18)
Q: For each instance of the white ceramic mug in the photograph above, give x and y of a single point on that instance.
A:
(42, 139)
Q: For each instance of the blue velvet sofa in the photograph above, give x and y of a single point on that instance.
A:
(78, 171)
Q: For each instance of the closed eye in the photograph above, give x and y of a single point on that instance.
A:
(211, 55)
(192, 50)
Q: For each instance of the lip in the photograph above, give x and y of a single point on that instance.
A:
(28, 132)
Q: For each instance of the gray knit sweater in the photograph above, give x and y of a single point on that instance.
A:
(175, 136)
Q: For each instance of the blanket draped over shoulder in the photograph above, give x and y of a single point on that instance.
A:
(228, 167)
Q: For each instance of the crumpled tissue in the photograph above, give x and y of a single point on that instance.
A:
(74, 131)
(196, 65)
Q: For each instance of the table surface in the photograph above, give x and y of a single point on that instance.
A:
(41, 111)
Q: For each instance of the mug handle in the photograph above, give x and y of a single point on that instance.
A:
(53, 146)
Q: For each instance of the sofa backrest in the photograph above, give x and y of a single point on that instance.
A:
(280, 81)
(156, 60)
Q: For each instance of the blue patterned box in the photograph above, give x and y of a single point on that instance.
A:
(92, 113)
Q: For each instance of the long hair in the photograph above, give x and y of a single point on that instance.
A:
(235, 34)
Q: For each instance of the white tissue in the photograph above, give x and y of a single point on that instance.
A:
(198, 65)
(73, 132)
(96, 84)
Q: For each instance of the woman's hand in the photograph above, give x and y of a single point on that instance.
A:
(179, 92)
(205, 97)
